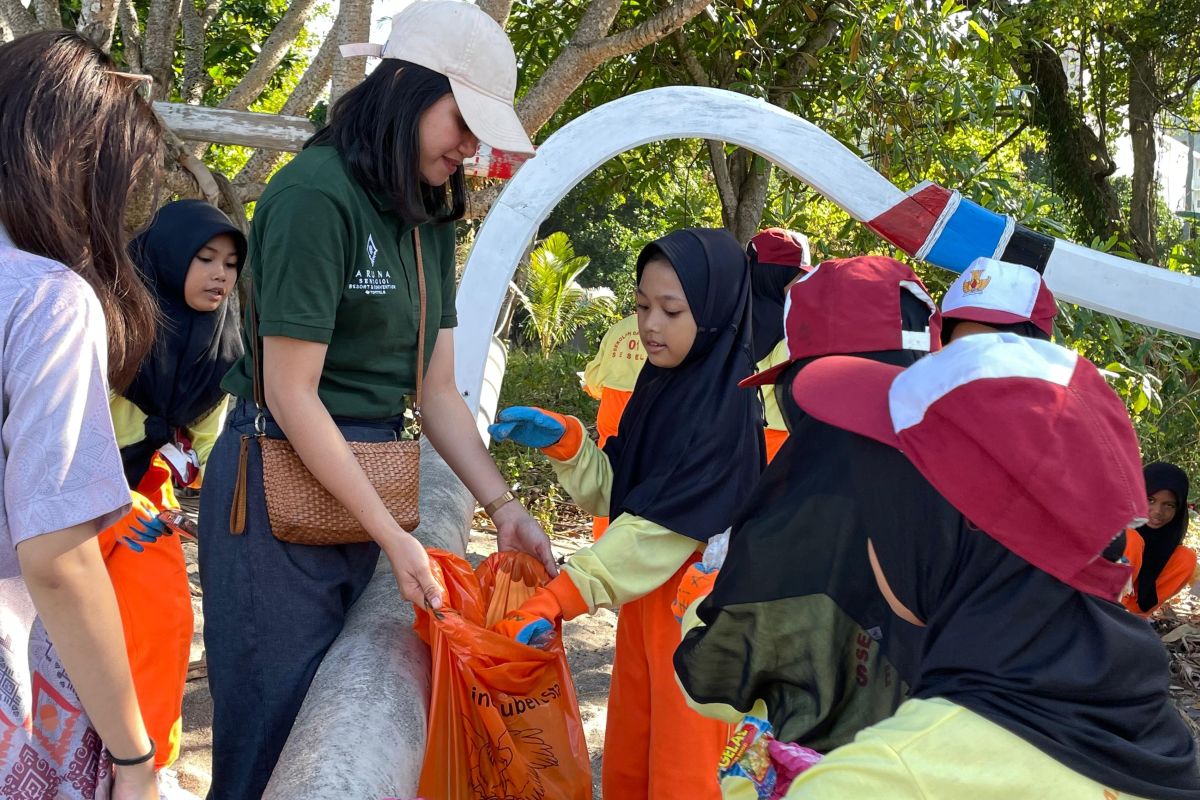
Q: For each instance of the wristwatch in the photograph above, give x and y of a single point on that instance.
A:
(491, 508)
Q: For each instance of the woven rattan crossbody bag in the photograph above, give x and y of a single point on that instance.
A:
(300, 509)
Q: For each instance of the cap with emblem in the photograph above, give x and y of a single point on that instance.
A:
(1000, 293)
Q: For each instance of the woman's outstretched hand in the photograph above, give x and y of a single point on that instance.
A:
(516, 530)
(410, 564)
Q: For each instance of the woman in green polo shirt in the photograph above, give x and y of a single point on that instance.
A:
(332, 258)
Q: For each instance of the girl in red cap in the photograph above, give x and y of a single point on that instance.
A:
(1031, 680)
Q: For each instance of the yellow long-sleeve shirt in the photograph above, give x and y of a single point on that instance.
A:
(129, 422)
(770, 404)
(932, 749)
(634, 557)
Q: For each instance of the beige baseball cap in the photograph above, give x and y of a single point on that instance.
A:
(459, 40)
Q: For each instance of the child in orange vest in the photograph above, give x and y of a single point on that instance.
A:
(1162, 565)
(166, 422)
(777, 258)
(688, 452)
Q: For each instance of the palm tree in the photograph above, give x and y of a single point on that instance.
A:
(557, 305)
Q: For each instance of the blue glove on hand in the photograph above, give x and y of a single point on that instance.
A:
(528, 426)
(148, 529)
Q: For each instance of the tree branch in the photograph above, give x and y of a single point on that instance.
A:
(17, 19)
(497, 10)
(354, 25)
(131, 34)
(158, 45)
(582, 55)
(195, 77)
(47, 14)
(249, 181)
(97, 20)
(269, 56)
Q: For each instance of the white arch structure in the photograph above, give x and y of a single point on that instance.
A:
(1126, 289)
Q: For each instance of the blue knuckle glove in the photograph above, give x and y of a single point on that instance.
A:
(527, 426)
(149, 530)
(132, 545)
(535, 632)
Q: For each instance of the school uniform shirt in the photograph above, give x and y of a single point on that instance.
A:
(129, 423)
(618, 360)
(771, 410)
(59, 467)
(634, 557)
(935, 750)
(331, 264)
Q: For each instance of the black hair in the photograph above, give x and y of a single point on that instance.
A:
(375, 129)
(1023, 328)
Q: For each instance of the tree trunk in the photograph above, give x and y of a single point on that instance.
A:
(158, 45)
(1079, 163)
(1143, 108)
(354, 25)
(16, 20)
(97, 20)
(269, 56)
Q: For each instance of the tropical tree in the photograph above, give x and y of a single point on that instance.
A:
(556, 304)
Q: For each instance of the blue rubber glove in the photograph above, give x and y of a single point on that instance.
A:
(526, 426)
(532, 631)
(148, 529)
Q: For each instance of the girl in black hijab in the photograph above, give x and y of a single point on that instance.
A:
(687, 452)
(190, 257)
(777, 258)
(794, 619)
(1162, 565)
(166, 423)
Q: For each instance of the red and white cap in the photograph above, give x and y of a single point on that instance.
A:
(1000, 292)
(1022, 436)
(780, 246)
(459, 40)
(851, 305)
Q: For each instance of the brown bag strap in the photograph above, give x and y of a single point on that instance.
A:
(260, 398)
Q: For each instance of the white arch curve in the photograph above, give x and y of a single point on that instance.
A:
(1116, 286)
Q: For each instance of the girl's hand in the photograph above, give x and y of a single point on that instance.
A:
(516, 530)
(410, 564)
(135, 783)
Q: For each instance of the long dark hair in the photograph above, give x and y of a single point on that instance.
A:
(74, 136)
(375, 129)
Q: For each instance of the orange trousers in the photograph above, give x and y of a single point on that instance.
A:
(655, 746)
(156, 613)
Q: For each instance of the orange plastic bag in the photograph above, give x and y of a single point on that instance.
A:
(504, 721)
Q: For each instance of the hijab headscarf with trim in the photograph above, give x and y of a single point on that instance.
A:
(689, 446)
(1080, 678)
(1161, 542)
(180, 381)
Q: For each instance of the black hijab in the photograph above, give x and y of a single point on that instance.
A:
(1161, 542)
(180, 381)
(690, 446)
(795, 617)
(1079, 678)
(768, 286)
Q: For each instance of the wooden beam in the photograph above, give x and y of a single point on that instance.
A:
(245, 128)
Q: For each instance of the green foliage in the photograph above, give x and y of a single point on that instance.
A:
(556, 304)
(548, 382)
